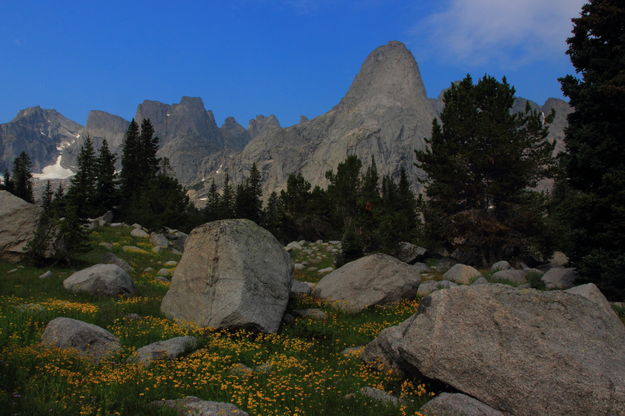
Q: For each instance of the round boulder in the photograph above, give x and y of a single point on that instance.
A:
(461, 274)
(376, 279)
(233, 274)
(101, 279)
(89, 340)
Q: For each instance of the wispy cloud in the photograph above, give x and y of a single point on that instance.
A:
(508, 33)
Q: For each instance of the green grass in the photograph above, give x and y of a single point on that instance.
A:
(310, 376)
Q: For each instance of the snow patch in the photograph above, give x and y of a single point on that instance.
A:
(55, 171)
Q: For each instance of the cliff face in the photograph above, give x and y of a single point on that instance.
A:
(385, 114)
(42, 134)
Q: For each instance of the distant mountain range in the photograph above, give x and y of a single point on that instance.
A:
(385, 114)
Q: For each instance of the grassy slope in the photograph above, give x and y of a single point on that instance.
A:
(310, 376)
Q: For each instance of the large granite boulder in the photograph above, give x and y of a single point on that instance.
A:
(429, 286)
(457, 404)
(511, 275)
(164, 350)
(101, 279)
(233, 273)
(523, 352)
(18, 222)
(593, 294)
(89, 340)
(376, 279)
(110, 258)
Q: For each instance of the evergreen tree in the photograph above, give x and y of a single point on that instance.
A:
(105, 198)
(46, 199)
(595, 142)
(58, 201)
(407, 208)
(274, 217)
(22, 178)
(211, 210)
(481, 163)
(82, 190)
(148, 146)
(131, 175)
(344, 190)
(7, 184)
(248, 203)
(226, 206)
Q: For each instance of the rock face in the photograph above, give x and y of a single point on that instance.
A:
(18, 222)
(89, 340)
(376, 279)
(101, 279)
(38, 132)
(233, 273)
(457, 404)
(191, 405)
(517, 350)
(593, 294)
(164, 350)
(384, 112)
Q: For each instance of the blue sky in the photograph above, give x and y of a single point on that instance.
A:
(249, 57)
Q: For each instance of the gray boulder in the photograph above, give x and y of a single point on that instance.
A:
(159, 240)
(559, 278)
(195, 406)
(558, 259)
(89, 340)
(511, 275)
(300, 288)
(164, 350)
(376, 279)
(462, 274)
(517, 350)
(593, 294)
(380, 396)
(421, 267)
(18, 222)
(101, 279)
(383, 353)
(312, 313)
(110, 258)
(427, 287)
(233, 273)
(409, 253)
(458, 404)
(500, 265)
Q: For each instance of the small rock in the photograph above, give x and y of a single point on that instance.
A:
(421, 267)
(353, 351)
(380, 396)
(162, 279)
(266, 368)
(34, 307)
(106, 245)
(288, 319)
(176, 252)
(46, 275)
(148, 270)
(110, 258)
(11, 271)
(326, 270)
(139, 233)
(191, 405)
(511, 275)
(164, 350)
(458, 404)
(300, 288)
(559, 278)
(409, 253)
(156, 250)
(240, 369)
(171, 263)
(159, 240)
(133, 316)
(313, 313)
(311, 269)
(298, 266)
(116, 224)
(461, 273)
(480, 281)
(500, 265)
(293, 245)
(558, 259)
(134, 249)
(164, 272)
(427, 287)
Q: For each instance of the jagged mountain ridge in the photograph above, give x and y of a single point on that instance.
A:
(385, 114)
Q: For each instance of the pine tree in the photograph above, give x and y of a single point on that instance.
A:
(7, 184)
(22, 178)
(248, 203)
(211, 210)
(46, 199)
(481, 163)
(82, 190)
(274, 217)
(106, 197)
(595, 163)
(226, 206)
(131, 174)
(344, 189)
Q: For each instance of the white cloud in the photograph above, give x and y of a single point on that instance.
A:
(506, 32)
